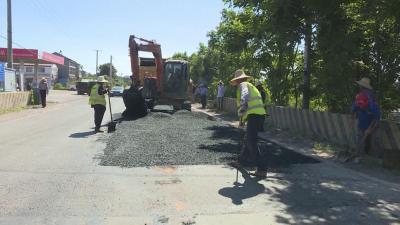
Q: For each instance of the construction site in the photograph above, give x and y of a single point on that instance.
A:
(207, 113)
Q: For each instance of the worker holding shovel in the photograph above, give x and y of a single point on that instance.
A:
(251, 111)
(97, 100)
(366, 116)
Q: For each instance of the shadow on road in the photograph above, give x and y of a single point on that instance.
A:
(275, 157)
(82, 134)
(312, 192)
(248, 189)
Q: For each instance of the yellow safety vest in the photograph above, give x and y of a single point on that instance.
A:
(255, 104)
(95, 98)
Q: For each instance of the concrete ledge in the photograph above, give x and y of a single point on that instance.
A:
(9, 100)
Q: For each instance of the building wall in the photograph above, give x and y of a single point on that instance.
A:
(49, 71)
(69, 72)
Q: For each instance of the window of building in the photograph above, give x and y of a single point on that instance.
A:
(29, 69)
(42, 69)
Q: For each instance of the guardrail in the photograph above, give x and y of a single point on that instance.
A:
(10, 100)
(330, 126)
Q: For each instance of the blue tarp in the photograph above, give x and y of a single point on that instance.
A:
(2, 66)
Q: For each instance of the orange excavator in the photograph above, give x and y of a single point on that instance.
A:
(170, 85)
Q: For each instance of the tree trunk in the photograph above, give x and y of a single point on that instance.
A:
(307, 65)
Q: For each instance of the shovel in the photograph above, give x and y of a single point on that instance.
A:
(112, 124)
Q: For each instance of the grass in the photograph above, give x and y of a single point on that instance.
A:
(325, 147)
(21, 108)
(14, 109)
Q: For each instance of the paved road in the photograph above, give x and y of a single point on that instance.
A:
(50, 174)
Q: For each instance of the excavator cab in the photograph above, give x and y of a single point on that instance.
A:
(175, 80)
(174, 86)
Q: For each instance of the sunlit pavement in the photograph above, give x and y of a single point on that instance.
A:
(50, 174)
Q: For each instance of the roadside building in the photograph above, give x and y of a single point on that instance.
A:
(69, 72)
(49, 71)
(31, 65)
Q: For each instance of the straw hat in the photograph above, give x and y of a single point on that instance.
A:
(239, 76)
(365, 82)
(101, 79)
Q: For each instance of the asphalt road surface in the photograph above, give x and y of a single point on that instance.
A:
(51, 173)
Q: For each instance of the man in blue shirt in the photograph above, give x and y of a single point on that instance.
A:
(203, 95)
(366, 112)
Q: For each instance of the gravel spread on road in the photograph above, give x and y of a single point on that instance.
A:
(184, 138)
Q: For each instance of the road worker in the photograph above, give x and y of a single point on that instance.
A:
(251, 110)
(134, 101)
(97, 100)
(366, 116)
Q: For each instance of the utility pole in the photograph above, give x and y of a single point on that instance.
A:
(97, 61)
(307, 64)
(111, 70)
(9, 36)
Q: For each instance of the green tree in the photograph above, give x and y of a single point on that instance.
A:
(180, 56)
(105, 70)
(311, 51)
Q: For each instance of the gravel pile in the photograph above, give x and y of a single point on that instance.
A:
(184, 138)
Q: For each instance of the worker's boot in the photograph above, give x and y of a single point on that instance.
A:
(98, 130)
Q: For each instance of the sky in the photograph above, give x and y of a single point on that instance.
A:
(78, 27)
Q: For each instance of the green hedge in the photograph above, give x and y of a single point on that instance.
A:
(59, 86)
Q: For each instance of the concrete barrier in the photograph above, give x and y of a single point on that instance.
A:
(10, 100)
(330, 126)
(337, 128)
(229, 106)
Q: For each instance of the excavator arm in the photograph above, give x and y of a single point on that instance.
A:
(146, 46)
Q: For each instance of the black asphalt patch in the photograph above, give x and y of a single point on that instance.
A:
(184, 138)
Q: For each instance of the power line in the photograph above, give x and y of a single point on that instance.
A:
(15, 43)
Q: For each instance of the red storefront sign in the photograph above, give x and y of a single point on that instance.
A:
(20, 53)
(52, 58)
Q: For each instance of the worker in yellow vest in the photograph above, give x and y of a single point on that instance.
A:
(251, 110)
(97, 101)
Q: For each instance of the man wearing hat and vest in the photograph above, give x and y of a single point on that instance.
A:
(251, 110)
(366, 112)
(97, 100)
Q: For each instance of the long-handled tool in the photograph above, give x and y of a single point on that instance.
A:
(112, 124)
(242, 145)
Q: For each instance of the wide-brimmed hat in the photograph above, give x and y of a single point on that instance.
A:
(239, 76)
(365, 82)
(102, 79)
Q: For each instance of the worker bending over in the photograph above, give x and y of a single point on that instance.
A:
(97, 100)
(251, 110)
(134, 102)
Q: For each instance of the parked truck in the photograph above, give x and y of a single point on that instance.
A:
(84, 85)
